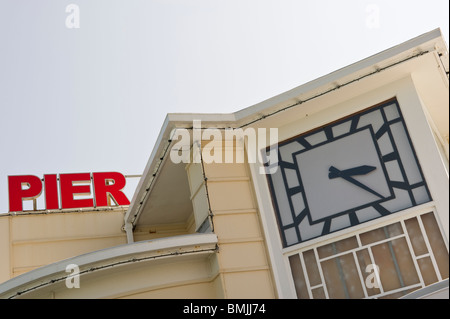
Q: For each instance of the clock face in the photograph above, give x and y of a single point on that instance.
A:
(348, 172)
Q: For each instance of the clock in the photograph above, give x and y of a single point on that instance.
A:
(346, 173)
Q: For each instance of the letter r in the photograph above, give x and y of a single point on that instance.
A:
(102, 188)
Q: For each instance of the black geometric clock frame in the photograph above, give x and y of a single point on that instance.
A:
(412, 193)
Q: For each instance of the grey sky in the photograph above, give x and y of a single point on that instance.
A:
(94, 98)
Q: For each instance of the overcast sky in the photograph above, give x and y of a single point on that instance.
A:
(92, 96)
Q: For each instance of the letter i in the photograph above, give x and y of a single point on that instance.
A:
(51, 191)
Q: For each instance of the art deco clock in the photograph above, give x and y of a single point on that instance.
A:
(348, 172)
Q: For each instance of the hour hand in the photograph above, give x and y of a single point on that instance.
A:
(359, 170)
(334, 172)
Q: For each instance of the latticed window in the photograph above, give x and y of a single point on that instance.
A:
(386, 262)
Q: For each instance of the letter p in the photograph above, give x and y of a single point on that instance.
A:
(17, 193)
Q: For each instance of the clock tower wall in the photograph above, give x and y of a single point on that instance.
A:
(407, 117)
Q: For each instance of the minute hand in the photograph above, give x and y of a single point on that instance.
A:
(334, 172)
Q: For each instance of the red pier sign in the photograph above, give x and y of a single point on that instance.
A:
(28, 187)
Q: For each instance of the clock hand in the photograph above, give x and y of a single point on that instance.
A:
(359, 170)
(334, 171)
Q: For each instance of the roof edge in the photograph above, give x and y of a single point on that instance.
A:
(421, 42)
